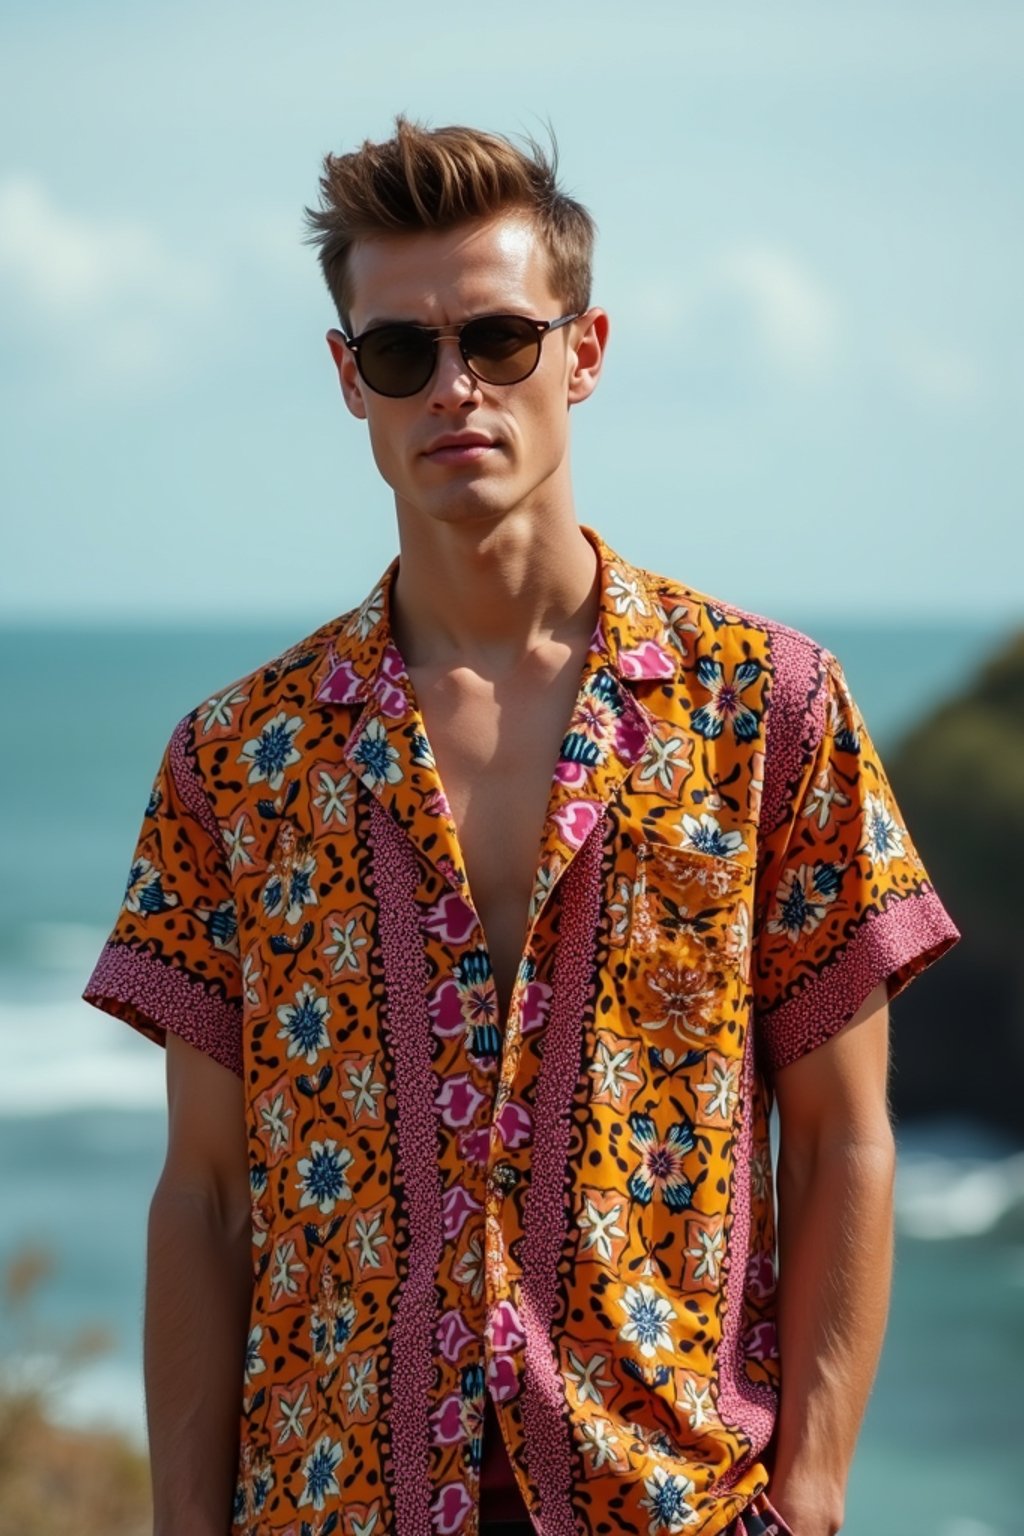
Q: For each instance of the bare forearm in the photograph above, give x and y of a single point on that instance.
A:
(835, 1267)
(198, 1290)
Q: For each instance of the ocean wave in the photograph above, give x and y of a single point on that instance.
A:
(942, 1197)
(38, 950)
(59, 1056)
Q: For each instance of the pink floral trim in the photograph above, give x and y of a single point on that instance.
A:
(408, 1026)
(545, 1425)
(153, 996)
(188, 783)
(892, 945)
(746, 1406)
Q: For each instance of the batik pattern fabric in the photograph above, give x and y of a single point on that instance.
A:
(569, 1208)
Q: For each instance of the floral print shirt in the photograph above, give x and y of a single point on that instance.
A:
(569, 1208)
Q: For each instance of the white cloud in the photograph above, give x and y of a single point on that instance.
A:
(112, 285)
(793, 313)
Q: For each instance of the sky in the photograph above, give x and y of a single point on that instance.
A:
(811, 241)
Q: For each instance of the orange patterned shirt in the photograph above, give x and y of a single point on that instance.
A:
(571, 1208)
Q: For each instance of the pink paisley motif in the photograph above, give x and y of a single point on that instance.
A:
(445, 1009)
(515, 1124)
(392, 699)
(501, 1378)
(436, 804)
(451, 919)
(649, 659)
(761, 1275)
(761, 1342)
(630, 738)
(536, 1002)
(572, 774)
(450, 1507)
(453, 1335)
(475, 1146)
(577, 820)
(458, 1100)
(447, 1420)
(342, 685)
(392, 666)
(458, 1205)
(504, 1330)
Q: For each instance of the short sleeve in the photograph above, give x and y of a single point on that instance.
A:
(172, 958)
(844, 901)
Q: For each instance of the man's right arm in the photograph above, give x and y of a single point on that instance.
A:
(198, 1293)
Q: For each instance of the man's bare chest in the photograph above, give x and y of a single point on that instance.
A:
(496, 746)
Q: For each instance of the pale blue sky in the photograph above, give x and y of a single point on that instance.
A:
(811, 247)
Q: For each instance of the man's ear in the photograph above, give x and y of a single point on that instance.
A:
(348, 374)
(587, 354)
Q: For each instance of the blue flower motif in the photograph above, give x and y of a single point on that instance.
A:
(725, 702)
(662, 1162)
(273, 750)
(304, 1024)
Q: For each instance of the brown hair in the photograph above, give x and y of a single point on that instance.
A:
(435, 178)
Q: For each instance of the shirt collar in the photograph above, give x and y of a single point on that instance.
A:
(632, 636)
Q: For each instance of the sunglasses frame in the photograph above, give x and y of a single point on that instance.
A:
(434, 333)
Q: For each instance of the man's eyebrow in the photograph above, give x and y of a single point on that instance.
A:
(478, 314)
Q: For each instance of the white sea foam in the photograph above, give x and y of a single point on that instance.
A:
(57, 1056)
(955, 1197)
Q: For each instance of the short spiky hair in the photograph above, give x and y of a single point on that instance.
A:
(435, 178)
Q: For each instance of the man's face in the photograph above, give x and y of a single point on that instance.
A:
(493, 266)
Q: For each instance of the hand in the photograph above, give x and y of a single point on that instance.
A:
(807, 1510)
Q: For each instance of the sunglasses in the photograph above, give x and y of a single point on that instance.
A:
(398, 360)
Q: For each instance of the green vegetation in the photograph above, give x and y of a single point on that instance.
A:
(959, 780)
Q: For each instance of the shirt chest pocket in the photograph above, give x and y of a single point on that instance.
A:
(688, 944)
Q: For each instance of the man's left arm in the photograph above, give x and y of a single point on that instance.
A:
(835, 1198)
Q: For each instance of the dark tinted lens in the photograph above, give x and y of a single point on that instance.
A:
(396, 359)
(500, 348)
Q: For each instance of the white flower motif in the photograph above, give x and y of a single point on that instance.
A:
(237, 841)
(587, 1378)
(333, 797)
(360, 1385)
(823, 795)
(293, 1411)
(625, 594)
(706, 836)
(647, 1314)
(250, 976)
(721, 1091)
(599, 1441)
(285, 1267)
(663, 759)
(377, 758)
(254, 1361)
(220, 710)
(667, 1495)
(610, 1069)
(697, 1401)
(709, 1251)
(323, 1181)
(364, 1092)
(318, 1470)
(883, 835)
(275, 1116)
(304, 1024)
(344, 951)
(470, 1270)
(368, 615)
(598, 1228)
(273, 750)
(800, 901)
(370, 1236)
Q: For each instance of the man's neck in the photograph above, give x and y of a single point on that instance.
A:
(487, 596)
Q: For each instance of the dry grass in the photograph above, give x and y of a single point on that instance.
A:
(95, 1483)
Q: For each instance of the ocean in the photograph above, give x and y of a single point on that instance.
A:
(82, 1118)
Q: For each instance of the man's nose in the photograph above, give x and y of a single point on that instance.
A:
(451, 382)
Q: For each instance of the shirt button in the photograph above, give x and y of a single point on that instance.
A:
(503, 1178)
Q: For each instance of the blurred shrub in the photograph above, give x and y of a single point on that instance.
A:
(90, 1482)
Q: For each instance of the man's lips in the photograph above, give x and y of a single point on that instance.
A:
(459, 448)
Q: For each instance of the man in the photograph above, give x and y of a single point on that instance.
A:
(482, 928)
